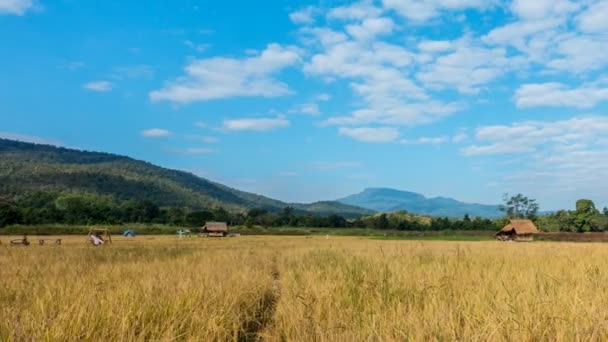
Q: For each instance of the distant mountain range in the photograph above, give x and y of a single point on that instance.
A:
(389, 200)
(27, 168)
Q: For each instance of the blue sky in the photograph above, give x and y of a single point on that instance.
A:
(315, 100)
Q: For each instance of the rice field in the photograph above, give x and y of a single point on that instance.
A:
(303, 288)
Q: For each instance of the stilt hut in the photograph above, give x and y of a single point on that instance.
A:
(215, 229)
(517, 230)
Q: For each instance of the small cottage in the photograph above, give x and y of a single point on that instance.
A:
(517, 230)
(215, 229)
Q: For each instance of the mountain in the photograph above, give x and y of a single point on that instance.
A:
(28, 168)
(389, 200)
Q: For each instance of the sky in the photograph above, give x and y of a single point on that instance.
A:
(315, 100)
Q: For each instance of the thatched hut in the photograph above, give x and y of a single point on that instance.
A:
(215, 229)
(517, 230)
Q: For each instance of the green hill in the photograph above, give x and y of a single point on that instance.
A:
(27, 168)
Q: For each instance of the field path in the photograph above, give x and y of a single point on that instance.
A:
(253, 328)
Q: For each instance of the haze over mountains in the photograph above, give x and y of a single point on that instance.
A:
(389, 200)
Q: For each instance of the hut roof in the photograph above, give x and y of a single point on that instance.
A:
(216, 227)
(520, 227)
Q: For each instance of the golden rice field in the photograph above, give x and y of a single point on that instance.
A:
(306, 289)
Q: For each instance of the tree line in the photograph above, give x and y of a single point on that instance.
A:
(87, 209)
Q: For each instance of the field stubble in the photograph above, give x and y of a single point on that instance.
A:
(303, 288)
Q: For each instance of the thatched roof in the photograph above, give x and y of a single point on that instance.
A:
(215, 227)
(519, 227)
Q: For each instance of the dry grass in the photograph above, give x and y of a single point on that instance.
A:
(297, 288)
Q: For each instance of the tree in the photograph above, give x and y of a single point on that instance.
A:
(9, 214)
(519, 206)
(198, 218)
(585, 218)
(381, 222)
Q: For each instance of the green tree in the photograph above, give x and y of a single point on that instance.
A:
(519, 207)
(381, 222)
(198, 218)
(584, 218)
(9, 213)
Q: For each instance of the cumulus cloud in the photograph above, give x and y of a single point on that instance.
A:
(255, 124)
(435, 45)
(200, 150)
(221, 77)
(99, 86)
(530, 136)
(303, 16)
(310, 108)
(425, 141)
(155, 133)
(323, 97)
(423, 10)
(460, 137)
(593, 19)
(357, 11)
(379, 74)
(467, 68)
(558, 94)
(16, 7)
(539, 9)
(371, 134)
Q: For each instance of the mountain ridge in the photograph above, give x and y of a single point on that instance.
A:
(390, 200)
(28, 167)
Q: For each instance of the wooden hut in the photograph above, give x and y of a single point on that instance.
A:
(215, 229)
(517, 230)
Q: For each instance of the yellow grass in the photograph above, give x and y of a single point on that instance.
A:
(298, 288)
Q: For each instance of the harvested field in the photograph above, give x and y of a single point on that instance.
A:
(303, 288)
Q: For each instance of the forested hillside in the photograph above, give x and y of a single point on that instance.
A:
(47, 179)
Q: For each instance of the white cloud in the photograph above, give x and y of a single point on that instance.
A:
(30, 139)
(196, 46)
(16, 7)
(530, 136)
(435, 45)
(303, 16)
(423, 10)
(357, 11)
(155, 133)
(562, 159)
(467, 68)
(323, 97)
(255, 124)
(539, 9)
(577, 53)
(400, 114)
(371, 134)
(200, 150)
(379, 75)
(99, 86)
(460, 137)
(205, 138)
(593, 20)
(220, 77)
(558, 94)
(370, 28)
(426, 141)
(310, 108)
